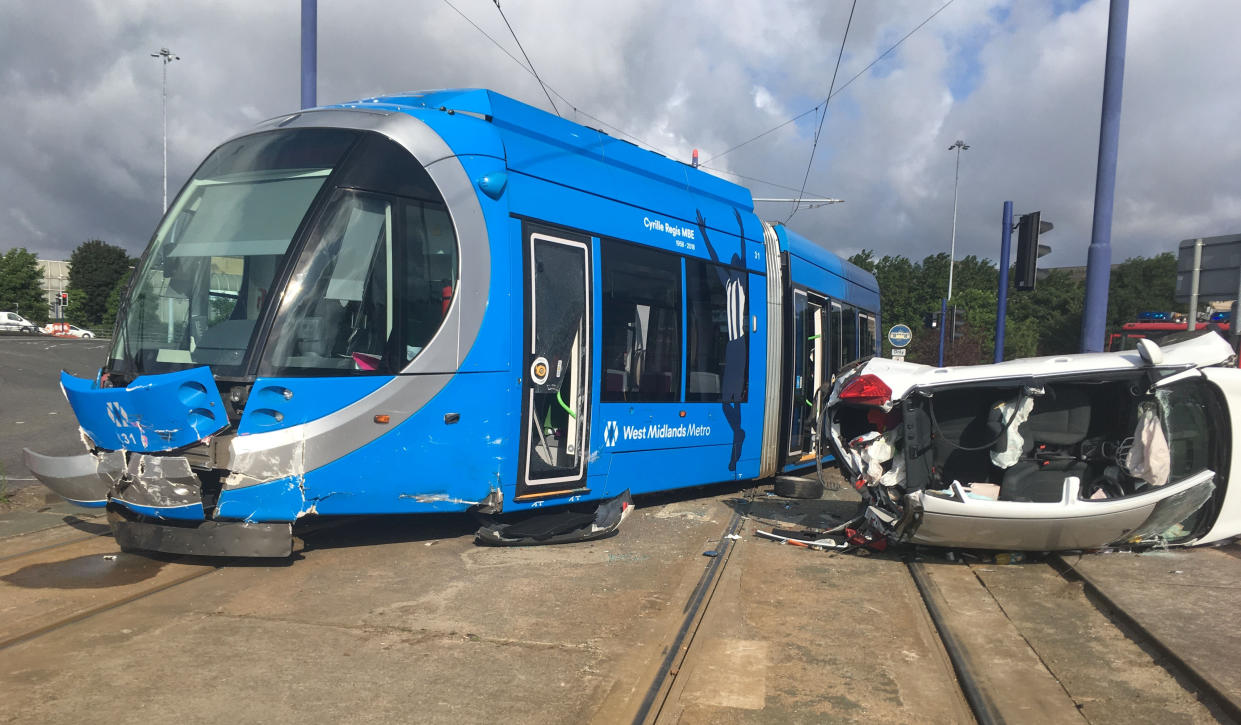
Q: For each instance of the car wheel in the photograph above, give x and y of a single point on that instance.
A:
(790, 487)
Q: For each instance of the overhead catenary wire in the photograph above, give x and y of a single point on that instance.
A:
(838, 91)
(642, 142)
(547, 87)
(819, 131)
(726, 172)
(527, 57)
(615, 129)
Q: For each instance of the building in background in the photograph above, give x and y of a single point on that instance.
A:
(55, 281)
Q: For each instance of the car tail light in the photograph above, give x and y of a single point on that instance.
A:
(866, 390)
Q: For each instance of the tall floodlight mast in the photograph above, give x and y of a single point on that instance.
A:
(952, 250)
(166, 56)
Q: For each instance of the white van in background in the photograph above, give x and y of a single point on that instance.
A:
(13, 322)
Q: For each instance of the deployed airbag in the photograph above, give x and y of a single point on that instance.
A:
(1148, 457)
(1007, 451)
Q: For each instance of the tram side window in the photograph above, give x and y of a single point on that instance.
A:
(866, 342)
(800, 366)
(839, 358)
(641, 324)
(430, 274)
(849, 335)
(717, 316)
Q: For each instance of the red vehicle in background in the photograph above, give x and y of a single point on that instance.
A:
(1153, 326)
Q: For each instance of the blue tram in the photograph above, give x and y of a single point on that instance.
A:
(449, 301)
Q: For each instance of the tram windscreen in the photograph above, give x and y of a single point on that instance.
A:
(210, 268)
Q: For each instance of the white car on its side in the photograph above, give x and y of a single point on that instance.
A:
(1069, 452)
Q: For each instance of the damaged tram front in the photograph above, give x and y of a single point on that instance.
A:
(1071, 452)
(298, 271)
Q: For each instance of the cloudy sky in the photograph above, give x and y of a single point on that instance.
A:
(1021, 82)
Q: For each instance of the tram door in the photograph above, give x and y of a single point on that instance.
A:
(811, 343)
(557, 380)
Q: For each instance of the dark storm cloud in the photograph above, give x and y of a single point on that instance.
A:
(81, 154)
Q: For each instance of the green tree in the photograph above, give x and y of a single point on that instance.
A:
(94, 268)
(1139, 284)
(75, 311)
(21, 285)
(114, 299)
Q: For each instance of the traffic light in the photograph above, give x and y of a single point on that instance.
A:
(1027, 251)
(930, 320)
(958, 323)
(64, 299)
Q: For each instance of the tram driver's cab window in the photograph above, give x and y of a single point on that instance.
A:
(341, 315)
(377, 276)
(641, 324)
(373, 290)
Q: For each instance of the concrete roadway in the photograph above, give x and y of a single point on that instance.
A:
(33, 411)
(404, 619)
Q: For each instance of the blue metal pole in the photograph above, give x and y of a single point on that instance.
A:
(1001, 310)
(943, 322)
(1099, 258)
(310, 42)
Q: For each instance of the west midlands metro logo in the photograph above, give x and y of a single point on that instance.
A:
(117, 414)
(610, 434)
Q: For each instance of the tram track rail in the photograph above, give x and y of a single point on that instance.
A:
(985, 710)
(695, 608)
(1001, 662)
(1208, 685)
(89, 612)
(48, 547)
(984, 691)
(80, 547)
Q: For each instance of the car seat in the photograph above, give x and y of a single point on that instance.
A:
(1051, 437)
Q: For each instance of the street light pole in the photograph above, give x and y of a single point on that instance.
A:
(952, 253)
(166, 57)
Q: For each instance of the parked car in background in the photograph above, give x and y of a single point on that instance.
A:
(13, 322)
(64, 329)
(1133, 448)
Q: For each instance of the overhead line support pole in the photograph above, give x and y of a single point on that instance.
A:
(310, 45)
(1099, 257)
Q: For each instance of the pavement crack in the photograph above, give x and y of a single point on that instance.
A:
(421, 633)
(1046, 665)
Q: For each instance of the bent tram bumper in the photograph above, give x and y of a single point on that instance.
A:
(155, 503)
(160, 460)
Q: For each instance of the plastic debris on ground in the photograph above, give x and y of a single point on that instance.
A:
(573, 524)
(805, 539)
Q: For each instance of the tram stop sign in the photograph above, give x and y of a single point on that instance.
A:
(900, 335)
